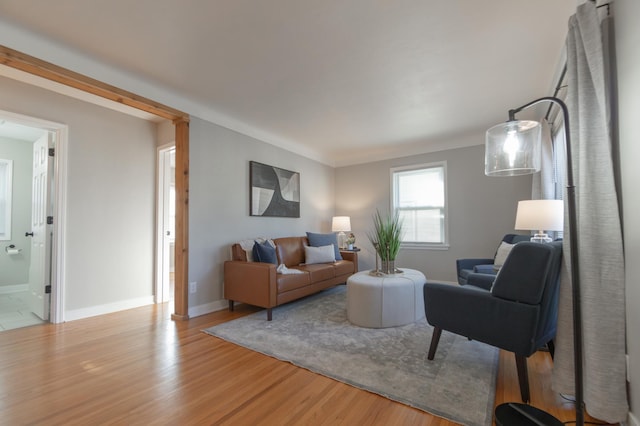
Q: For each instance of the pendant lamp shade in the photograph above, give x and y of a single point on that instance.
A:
(513, 148)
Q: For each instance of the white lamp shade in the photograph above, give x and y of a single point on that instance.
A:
(341, 224)
(513, 148)
(540, 215)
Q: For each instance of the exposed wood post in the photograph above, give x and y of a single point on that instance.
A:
(181, 296)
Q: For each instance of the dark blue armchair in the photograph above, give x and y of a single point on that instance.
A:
(465, 267)
(518, 314)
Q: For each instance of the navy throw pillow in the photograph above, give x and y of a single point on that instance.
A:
(264, 253)
(319, 240)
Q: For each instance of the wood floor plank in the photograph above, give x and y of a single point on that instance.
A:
(140, 367)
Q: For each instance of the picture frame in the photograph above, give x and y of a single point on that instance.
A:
(273, 191)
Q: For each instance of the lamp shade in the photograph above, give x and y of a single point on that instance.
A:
(540, 215)
(513, 148)
(341, 224)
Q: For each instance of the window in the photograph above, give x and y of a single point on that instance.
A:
(6, 174)
(419, 195)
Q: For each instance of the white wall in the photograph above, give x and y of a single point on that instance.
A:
(14, 270)
(627, 32)
(219, 203)
(481, 209)
(110, 200)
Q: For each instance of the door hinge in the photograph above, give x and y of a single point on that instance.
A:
(52, 152)
(47, 289)
(49, 220)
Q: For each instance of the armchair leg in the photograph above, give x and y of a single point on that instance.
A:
(552, 348)
(230, 305)
(269, 314)
(523, 377)
(435, 339)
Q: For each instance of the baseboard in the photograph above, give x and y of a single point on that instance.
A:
(13, 288)
(108, 308)
(633, 420)
(207, 308)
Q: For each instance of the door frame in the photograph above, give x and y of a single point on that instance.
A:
(58, 197)
(32, 65)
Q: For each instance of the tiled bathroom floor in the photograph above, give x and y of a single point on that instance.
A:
(15, 312)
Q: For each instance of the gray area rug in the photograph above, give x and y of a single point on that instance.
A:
(314, 333)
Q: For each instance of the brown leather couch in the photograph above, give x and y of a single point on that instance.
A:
(259, 284)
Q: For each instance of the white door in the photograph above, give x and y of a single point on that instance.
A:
(39, 276)
(166, 224)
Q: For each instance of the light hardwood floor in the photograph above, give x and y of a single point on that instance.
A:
(140, 367)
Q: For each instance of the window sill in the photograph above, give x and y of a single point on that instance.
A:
(424, 246)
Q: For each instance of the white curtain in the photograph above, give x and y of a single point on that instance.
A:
(599, 228)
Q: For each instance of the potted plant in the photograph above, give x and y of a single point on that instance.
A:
(386, 240)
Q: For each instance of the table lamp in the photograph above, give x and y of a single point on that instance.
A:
(341, 224)
(540, 216)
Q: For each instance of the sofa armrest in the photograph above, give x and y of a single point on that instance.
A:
(250, 282)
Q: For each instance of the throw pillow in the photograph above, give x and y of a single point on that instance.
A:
(501, 255)
(319, 240)
(324, 254)
(264, 252)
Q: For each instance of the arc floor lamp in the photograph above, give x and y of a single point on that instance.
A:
(514, 148)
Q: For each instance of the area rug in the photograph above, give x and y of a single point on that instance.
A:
(314, 333)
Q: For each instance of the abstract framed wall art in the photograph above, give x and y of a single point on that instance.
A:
(274, 191)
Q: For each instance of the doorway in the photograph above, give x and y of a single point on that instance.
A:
(32, 219)
(166, 223)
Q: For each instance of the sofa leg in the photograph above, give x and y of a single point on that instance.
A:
(269, 315)
(435, 339)
(523, 377)
(230, 305)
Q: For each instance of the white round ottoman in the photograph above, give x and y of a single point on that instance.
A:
(387, 301)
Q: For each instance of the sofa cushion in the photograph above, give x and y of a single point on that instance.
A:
(319, 272)
(264, 252)
(323, 254)
(290, 250)
(319, 240)
(292, 282)
(343, 267)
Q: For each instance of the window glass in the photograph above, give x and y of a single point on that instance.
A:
(419, 196)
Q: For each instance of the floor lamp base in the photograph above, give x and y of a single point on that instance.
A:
(515, 414)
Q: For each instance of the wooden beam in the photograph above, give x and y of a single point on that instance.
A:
(181, 294)
(21, 61)
(26, 63)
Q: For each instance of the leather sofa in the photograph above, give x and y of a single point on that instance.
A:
(260, 284)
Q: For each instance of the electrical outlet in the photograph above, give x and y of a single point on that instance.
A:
(193, 287)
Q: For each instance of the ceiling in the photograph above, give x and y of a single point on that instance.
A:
(342, 82)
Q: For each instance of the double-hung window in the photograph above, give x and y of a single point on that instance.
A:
(419, 195)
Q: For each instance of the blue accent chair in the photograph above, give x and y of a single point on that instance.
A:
(518, 314)
(465, 267)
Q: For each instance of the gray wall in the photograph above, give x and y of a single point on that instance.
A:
(14, 270)
(481, 209)
(110, 200)
(219, 202)
(627, 42)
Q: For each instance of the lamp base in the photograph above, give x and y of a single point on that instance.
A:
(515, 414)
(541, 238)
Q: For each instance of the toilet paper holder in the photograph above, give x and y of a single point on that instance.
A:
(11, 249)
